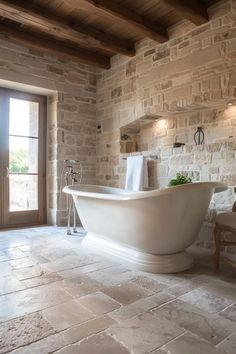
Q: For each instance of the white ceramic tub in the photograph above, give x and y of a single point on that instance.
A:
(150, 230)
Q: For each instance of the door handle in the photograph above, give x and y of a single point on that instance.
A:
(7, 172)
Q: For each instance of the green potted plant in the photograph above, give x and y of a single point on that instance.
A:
(180, 179)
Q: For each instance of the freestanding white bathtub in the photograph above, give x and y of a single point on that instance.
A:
(150, 230)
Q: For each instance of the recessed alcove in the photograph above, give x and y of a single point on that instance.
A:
(132, 135)
(152, 132)
(154, 136)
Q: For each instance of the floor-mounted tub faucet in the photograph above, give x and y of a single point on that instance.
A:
(72, 173)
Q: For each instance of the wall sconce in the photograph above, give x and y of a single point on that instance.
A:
(199, 136)
(161, 123)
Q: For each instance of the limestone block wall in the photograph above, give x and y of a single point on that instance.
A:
(71, 94)
(185, 83)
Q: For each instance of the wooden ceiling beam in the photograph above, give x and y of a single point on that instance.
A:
(51, 46)
(142, 24)
(192, 10)
(35, 16)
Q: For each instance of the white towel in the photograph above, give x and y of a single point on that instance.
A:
(137, 173)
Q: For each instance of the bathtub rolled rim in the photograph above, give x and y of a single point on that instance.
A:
(86, 190)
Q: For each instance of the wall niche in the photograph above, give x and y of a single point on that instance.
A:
(139, 135)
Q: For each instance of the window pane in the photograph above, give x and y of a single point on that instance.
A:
(23, 155)
(23, 117)
(23, 192)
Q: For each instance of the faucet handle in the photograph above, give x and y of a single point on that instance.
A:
(71, 161)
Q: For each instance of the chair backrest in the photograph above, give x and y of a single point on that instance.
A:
(234, 207)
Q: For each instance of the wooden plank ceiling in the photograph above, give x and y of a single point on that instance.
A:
(91, 31)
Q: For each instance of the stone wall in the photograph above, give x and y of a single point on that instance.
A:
(71, 110)
(215, 159)
(185, 83)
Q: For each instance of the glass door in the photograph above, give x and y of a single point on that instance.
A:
(22, 126)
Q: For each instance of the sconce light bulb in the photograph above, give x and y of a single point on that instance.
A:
(230, 103)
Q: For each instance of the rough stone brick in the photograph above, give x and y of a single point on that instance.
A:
(225, 36)
(55, 70)
(161, 54)
(75, 79)
(117, 92)
(190, 62)
(166, 85)
(195, 119)
(130, 68)
(149, 52)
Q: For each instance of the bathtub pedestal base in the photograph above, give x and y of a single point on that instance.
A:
(167, 263)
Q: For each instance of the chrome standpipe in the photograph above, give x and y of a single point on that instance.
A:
(72, 172)
(74, 223)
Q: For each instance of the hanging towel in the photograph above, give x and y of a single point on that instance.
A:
(137, 173)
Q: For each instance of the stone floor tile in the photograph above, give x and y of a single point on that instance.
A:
(10, 284)
(83, 274)
(27, 248)
(29, 261)
(167, 279)
(86, 269)
(3, 257)
(191, 344)
(29, 272)
(67, 314)
(13, 243)
(5, 269)
(230, 312)
(219, 282)
(183, 288)
(84, 330)
(31, 300)
(99, 303)
(226, 289)
(161, 298)
(229, 344)
(54, 254)
(145, 333)
(71, 273)
(22, 331)
(67, 262)
(22, 263)
(127, 293)
(112, 276)
(141, 306)
(80, 286)
(13, 253)
(99, 344)
(212, 327)
(206, 301)
(149, 284)
(46, 345)
(44, 278)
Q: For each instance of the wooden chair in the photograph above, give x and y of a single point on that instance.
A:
(224, 222)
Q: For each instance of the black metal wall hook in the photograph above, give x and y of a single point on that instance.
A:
(199, 136)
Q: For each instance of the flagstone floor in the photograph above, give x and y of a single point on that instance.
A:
(57, 298)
